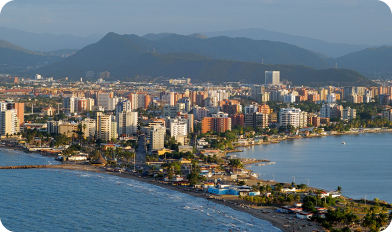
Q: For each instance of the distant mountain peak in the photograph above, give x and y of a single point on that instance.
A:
(153, 36)
(198, 35)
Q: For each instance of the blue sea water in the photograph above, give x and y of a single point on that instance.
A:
(68, 200)
(363, 166)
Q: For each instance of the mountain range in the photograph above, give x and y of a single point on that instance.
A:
(205, 59)
(316, 45)
(215, 59)
(13, 57)
(46, 42)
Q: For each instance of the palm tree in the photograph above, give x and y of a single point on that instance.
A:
(339, 189)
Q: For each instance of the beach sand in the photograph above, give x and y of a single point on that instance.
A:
(279, 220)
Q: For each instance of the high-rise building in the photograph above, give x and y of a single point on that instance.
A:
(90, 104)
(9, 122)
(89, 127)
(67, 129)
(127, 123)
(218, 124)
(187, 102)
(20, 112)
(272, 77)
(123, 106)
(264, 108)
(237, 119)
(53, 127)
(157, 137)
(349, 114)
(289, 116)
(82, 104)
(178, 128)
(331, 98)
(103, 100)
(104, 127)
(256, 120)
(256, 90)
(200, 112)
(251, 108)
(347, 91)
(69, 104)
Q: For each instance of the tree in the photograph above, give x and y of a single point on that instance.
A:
(236, 163)
(170, 174)
(339, 189)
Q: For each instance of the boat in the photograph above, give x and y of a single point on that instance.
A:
(343, 142)
(254, 175)
(258, 164)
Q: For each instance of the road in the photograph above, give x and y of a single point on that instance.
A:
(141, 150)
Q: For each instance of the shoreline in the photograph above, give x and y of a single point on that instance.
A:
(226, 200)
(277, 221)
(274, 141)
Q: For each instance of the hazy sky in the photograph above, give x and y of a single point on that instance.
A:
(348, 21)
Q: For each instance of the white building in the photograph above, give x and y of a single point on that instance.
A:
(272, 77)
(127, 123)
(178, 128)
(104, 127)
(289, 116)
(289, 98)
(331, 98)
(349, 114)
(251, 109)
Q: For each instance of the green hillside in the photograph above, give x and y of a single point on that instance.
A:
(125, 57)
(368, 61)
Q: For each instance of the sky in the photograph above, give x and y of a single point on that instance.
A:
(339, 21)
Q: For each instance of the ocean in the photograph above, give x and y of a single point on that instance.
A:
(362, 166)
(68, 200)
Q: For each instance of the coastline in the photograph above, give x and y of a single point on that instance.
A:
(273, 141)
(277, 221)
(232, 202)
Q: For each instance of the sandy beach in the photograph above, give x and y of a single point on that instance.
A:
(284, 222)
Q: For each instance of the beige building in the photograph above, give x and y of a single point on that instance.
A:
(9, 122)
(89, 127)
(104, 127)
(49, 111)
(90, 104)
(157, 137)
(68, 129)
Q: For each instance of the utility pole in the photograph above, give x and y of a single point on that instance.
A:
(58, 108)
(365, 200)
(308, 185)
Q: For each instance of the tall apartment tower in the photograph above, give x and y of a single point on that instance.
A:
(157, 137)
(272, 77)
(290, 116)
(9, 122)
(104, 127)
(127, 123)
